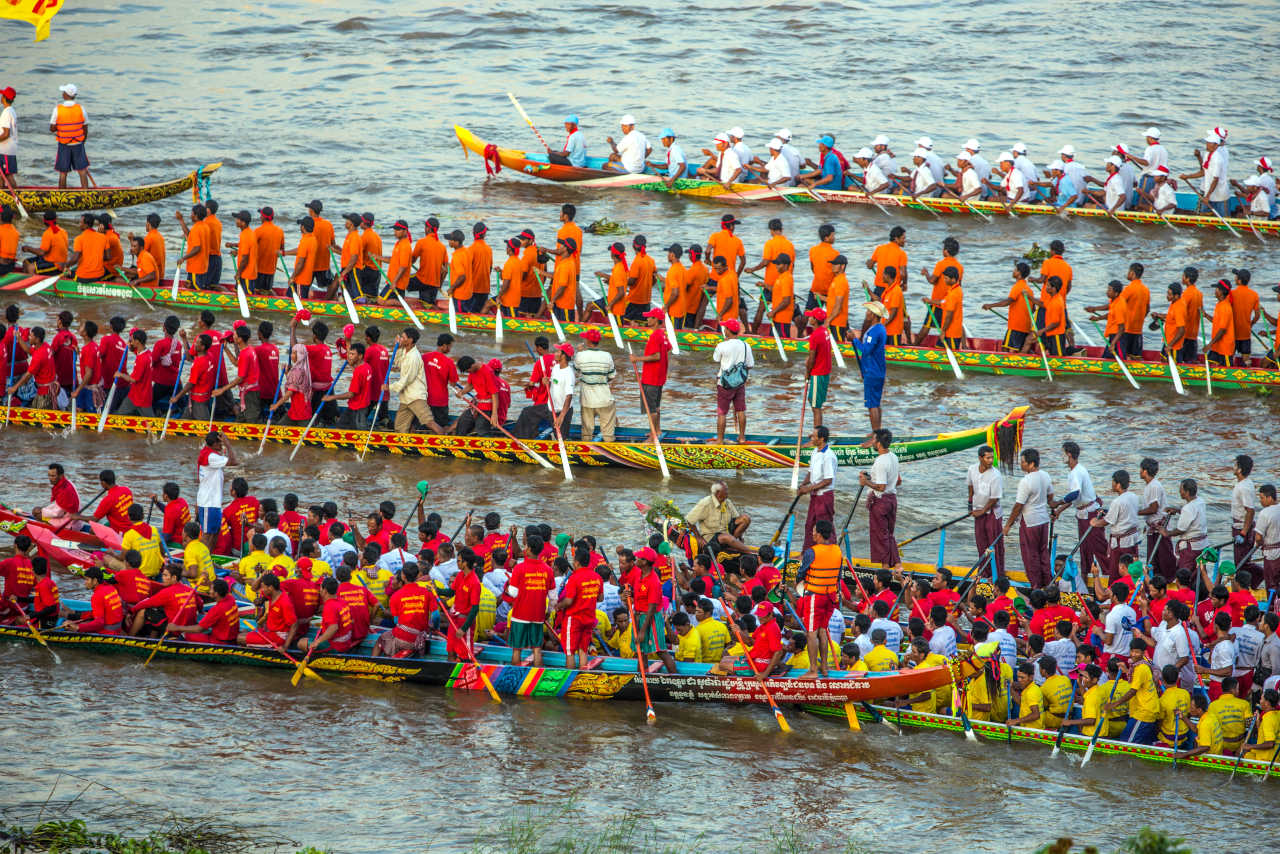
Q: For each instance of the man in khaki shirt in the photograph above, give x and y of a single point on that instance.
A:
(410, 386)
(595, 371)
(718, 520)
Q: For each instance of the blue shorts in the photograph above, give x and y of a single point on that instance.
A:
(71, 158)
(9, 164)
(872, 388)
(209, 518)
(1140, 732)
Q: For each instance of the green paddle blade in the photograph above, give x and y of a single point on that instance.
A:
(423, 487)
(1227, 567)
(1135, 570)
(665, 548)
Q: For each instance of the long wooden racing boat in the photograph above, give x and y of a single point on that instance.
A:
(984, 356)
(1079, 743)
(682, 449)
(595, 177)
(36, 199)
(609, 679)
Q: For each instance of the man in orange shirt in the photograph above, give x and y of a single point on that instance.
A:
(614, 299)
(146, 274)
(512, 277)
(1245, 307)
(1018, 325)
(891, 254)
(564, 279)
(368, 274)
(820, 255)
(1222, 334)
(51, 254)
(695, 288)
(246, 251)
(88, 252)
(1053, 332)
(197, 257)
(1195, 313)
(530, 290)
(776, 245)
(481, 258)
(305, 265)
(213, 227)
(725, 242)
(838, 300)
(1115, 312)
(432, 259)
(569, 228)
(270, 240)
(950, 309)
(894, 304)
(400, 260)
(115, 250)
(154, 242)
(322, 276)
(673, 286)
(352, 258)
(640, 278)
(782, 307)
(1175, 323)
(1271, 358)
(1137, 300)
(728, 302)
(459, 271)
(950, 248)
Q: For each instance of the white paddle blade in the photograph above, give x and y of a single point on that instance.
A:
(413, 315)
(242, 300)
(351, 306)
(1176, 377)
(1208, 377)
(497, 325)
(173, 288)
(671, 334)
(41, 285)
(453, 316)
(617, 333)
(777, 342)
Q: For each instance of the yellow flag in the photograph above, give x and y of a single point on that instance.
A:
(38, 13)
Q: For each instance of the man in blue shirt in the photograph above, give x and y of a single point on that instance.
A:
(870, 349)
(575, 143)
(828, 175)
(676, 164)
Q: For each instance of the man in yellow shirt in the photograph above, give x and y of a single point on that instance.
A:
(1175, 711)
(880, 658)
(712, 634)
(282, 566)
(142, 538)
(310, 550)
(1031, 703)
(1208, 729)
(851, 659)
(1118, 686)
(620, 638)
(1267, 746)
(1057, 691)
(252, 566)
(1233, 714)
(688, 643)
(196, 561)
(1093, 717)
(1142, 697)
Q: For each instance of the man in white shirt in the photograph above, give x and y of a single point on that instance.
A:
(882, 503)
(942, 638)
(724, 165)
(1118, 627)
(1161, 198)
(1266, 535)
(819, 482)
(1024, 165)
(740, 148)
(882, 157)
(921, 182)
(445, 568)
(1122, 526)
(1222, 656)
(332, 552)
(968, 184)
(1128, 174)
(873, 179)
(1191, 535)
(561, 389)
(677, 165)
(1248, 639)
(595, 370)
(985, 483)
(1013, 187)
(1153, 511)
(1153, 157)
(8, 141)
(630, 152)
(777, 171)
(1244, 502)
(1008, 643)
(1081, 496)
(789, 151)
(980, 165)
(215, 457)
(1031, 512)
(936, 167)
(891, 628)
(394, 558)
(735, 361)
(1074, 168)
(1214, 184)
(1172, 642)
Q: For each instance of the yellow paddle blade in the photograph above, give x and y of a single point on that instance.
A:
(851, 713)
(297, 675)
(311, 674)
(493, 692)
(782, 722)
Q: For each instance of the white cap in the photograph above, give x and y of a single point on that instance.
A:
(924, 142)
(1058, 165)
(737, 131)
(920, 152)
(964, 157)
(880, 140)
(1019, 148)
(1005, 155)
(1264, 163)
(1221, 133)
(1212, 137)
(1251, 181)
(1067, 150)
(628, 119)
(973, 145)
(775, 144)
(864, 153)
(1153, 132)
(784, 135)
(1115, 161)
(69, 88)
(721, 137)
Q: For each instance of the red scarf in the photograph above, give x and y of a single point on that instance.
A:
(621, 256)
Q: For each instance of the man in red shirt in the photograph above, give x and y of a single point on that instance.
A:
(379, 360)
(63, 349)
(130, 581)
(303, 592)
(337, 622)
(64, 498)
(412, 606)
(364, 606)
(530, 584)
(239, 517)
(481, 382)
(646, 593)
(359, 394)
(578, 602)
(465, 606)
(113, 352)
(220, 624)
(106, 609)
(442, 374)
(818, 364)
(279, 623)
(291, 521)
(200, 381)
(320, 363)
(47, 603)
(766, 645)
(653, 374)
(267, 357)
(537, 413)
(174, 603)
(167, 359)
(88, 378)
(17, 575)
(42, 370)
(140, 378)
(114, 506)
(246, 378)
(176, 514)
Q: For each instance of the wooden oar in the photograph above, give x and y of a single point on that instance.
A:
(1173, 368)
(653, 430)
(177, 279)
(293, 288)
(134, 288)
(35, 632)
(528, 120)
(302, 668)
(1199, 194)
(484, 677)
(777, 535)
(1057, 742)
(497, 326)
(613, 321)
(538, 458)
(165, 633)
(306, 670)
(1081, 332)
(650, 717)
(377, 407)
(804, 408)
(1253, 722)
(564, 453)
(551, 309)
(315, 414)
(41, 285)
(1119, 221)
(346, 295)
(266, 431)
(1124, 369)
(17, 202)
(111, 394)
(968, 204)
(1102, 716)
(1044, 357)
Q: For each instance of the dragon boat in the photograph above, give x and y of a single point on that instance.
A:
(38, 199)
(980, 355)
(594, 177)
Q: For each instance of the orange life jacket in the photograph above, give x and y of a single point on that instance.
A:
(823, 575)
(70, 124)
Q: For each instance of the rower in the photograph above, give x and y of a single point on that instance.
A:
(1121, 522)
(574, 151)
(644, 590)
(174, 603)
(722, 166)
(40, 368)
(307, 259)
(199, 247)
(1063, 193)
(1031, 512)
(725, 243)
(138, 400)
(629, 153)
(728, 303)
(950, 308)
(368, 275)
(269, 238)
(828, 174)
(1190, 536)
(873, 180)
(480, 256)
(465, 607)
(51, 255)
(676, 165)
(1245, 311)
(413, 605)
(1136, 299)
(146, 270)
(88, 252)
(578, 598)
(115, 251)
(278, 624)
(891, 254)
(64, 499)
(1052, 329)
(777, 171)
(922, 180)
(782, 295)
(1113, 197)
(1160, 198)
(338, 623)
(1222, 332)
(1153, 157)
(882, 503)
(1176, 330)
(882, 156)
(950, 248)
(673, 286)
(968, 185)
(640, 278)
(1013, 187)
(106, 609)
(818, 363)
(351, 261)
(399, 262)
(533, 261)
(527, 589)
(820, 566)
(1215, 187)
(431, 257)
(1244, 504)
(70, 126)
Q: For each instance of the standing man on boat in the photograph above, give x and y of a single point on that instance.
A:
(70, 126)
(870, 348)
(653, 373)
(214, 459)
(8, 141)
(630, 152)
(596, 370)
(270, 240)
(986, 488)
(1088, 507)
(817, 368)
(735, 359)
(322, 274)
(819, 484)
(1031, 512)
(882, 504)
(246, 249)
(1215, 187)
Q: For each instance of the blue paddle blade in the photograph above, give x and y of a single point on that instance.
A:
(1071, 572)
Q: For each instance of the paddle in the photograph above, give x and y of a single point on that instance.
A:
(293, 288)
(613, 321)
(111, 394)
(13, 194)
(653, 430)
(1240, 753)
(139, 293)
(43, 284)
(934, 528)
(497, 326)
(165, 633)
(13, 358)
(217, 378)
(1062, 729)
(804, 408)
(173, 286)
(555, 321)
(777, 535)
(306, 671)
(555, 423)
(1124, 369)
(1173, 368)
(466, 645)
(423, 488)
(538, 458)
(35, 632)
(1098, 724)
(1044, 358)
(1199, 194)
(528, 121)
(316, 414)
(1082, 333)
(346, 295)
(266, 431)
(650, 717)
(75, 372)
(377, 407)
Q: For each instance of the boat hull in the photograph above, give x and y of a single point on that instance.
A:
(60, 199)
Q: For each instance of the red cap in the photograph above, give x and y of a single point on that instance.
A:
(654, 312)
(818, 314)
(8, 93)
(731, 325)
(566, 348)
(229, 335)
(648, 554)
(1162, 170)
(349, 331)
(494, 364)
(238, 324)
(592, 334)
(302, 314)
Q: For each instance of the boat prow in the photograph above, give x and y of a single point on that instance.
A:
(100, 198)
